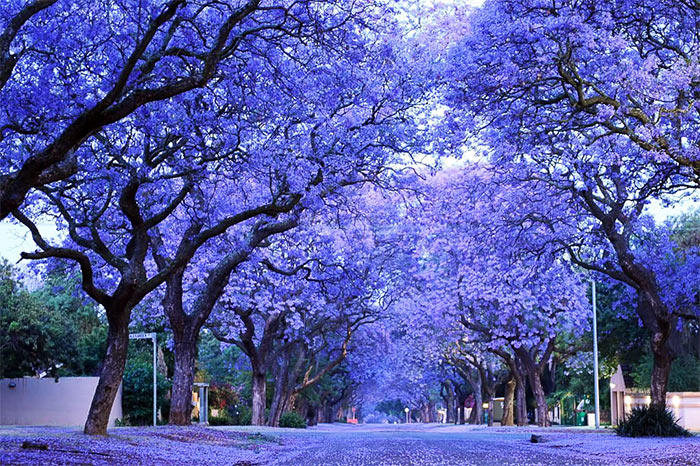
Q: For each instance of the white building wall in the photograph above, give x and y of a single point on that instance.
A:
(45, 402)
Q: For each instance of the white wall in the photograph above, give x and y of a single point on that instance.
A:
(685, 405)
(45, 402)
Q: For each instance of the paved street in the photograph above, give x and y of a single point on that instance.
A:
(420, 446)
(341, 445)
(435, 445)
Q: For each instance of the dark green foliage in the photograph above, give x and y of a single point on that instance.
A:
(293, 420)
(47, 328)
(241, 414)
(650, 421)
(684, 376)
(391, 408)
(217, 362)
(222, 395)
(224, 420)
(137, 395)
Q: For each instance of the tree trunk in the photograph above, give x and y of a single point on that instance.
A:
(425, 413)
(183, 379)
(541, 400)
(488, 384)
(534, 373)
(449, 398)
(477, 414)
(474, 380)
(328, 413)
(111, 374)
(259, 387)
(489, 413)
(281, 401)
(521, 402)
(659, 376)
(538, 392)
(461, 410)
(508, 402)
(311, 414)
(281, 395)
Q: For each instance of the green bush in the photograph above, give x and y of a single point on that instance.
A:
(684, 376)
(137, 395)
(240, 415)
(293, 420)
(651, 421)
(222, 395)
(221, 421)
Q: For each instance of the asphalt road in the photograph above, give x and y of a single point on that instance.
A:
(340, 445)
(418, 446)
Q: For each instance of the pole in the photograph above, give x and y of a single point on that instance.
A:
(155, 381)
(595, 357)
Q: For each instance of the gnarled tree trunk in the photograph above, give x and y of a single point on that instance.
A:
(660, 372)
(508, 403)
(534, 371)
(259, 391)
(111, 373)
(521, 402)
(183, 378)
(448, 395)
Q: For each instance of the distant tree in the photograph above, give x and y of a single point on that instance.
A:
(48, 330)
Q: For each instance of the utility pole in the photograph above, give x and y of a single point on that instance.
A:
(155, 379)
(595, 357)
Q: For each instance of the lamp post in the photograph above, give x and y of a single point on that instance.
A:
(595, 357)
(406, 410)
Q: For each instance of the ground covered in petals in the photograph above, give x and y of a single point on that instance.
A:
(331, 445)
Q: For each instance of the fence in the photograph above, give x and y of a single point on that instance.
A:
(50, 402)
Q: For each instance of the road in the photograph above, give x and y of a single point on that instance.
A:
(340, 445)
(424, 445)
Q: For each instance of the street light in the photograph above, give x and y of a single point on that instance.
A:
(595, 357)
(406, 410)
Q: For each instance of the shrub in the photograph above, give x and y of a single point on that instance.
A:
(137, 394)
(240, 415)
(222, 395)
(293, 420)
(651, 421)
(221, 421)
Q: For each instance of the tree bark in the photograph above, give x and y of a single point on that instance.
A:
(521, 402)
(111, 375)
(259, 389)
(508, 402)
(280, 401)
(461, 399)
(541, 400)
(659, 377)
(448, 395)
(477, 414)
(534, 371)
(183, 380)
(284, 379)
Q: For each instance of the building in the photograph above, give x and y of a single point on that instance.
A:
(624, 397)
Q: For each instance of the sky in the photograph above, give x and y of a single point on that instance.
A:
(15, 238)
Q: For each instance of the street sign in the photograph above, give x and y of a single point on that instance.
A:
(141, 336)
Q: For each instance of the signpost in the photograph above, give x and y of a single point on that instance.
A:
(146, 336)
